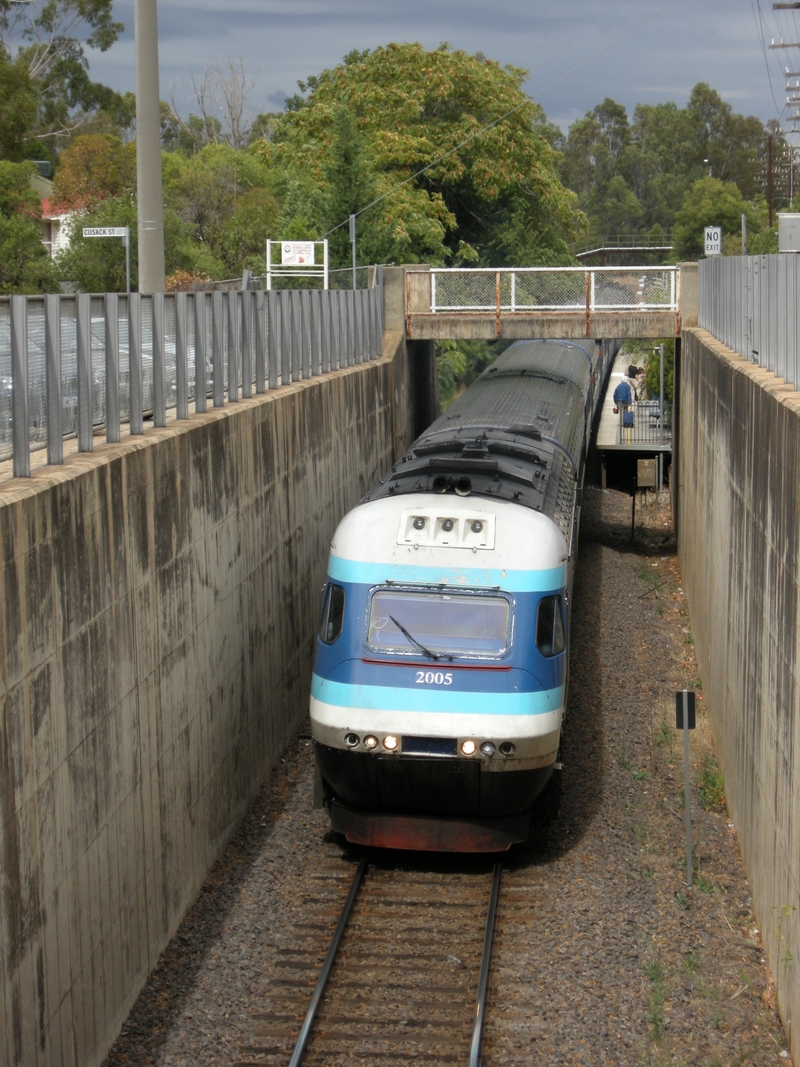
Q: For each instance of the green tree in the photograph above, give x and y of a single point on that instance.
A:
(25, 266)
(711, 202)
(47, 40)
(19, 106)
(349, 186)
(457, 150)
(95, 167)
(97, 265)
(225, 199)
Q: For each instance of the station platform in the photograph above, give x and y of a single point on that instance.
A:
(647, 435)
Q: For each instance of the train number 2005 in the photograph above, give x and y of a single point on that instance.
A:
(434, 678)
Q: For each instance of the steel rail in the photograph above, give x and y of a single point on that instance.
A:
(483, 981)
(316, 999)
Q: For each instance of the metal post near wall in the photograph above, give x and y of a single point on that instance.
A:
(233, 346)
(181, 358)
(261, 340)
(247, 343)
(159, 386)
(217, 359)
(135, 361)
(112, 368)
(200, 377)
(21, 464)
(52, 347)
(83, 320)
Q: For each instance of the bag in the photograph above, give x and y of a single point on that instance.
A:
(627, 418)
(616, 410)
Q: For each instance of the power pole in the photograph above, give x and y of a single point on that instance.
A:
(148, 150)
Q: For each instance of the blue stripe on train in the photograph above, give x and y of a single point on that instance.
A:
(512, 581)
(382, 698)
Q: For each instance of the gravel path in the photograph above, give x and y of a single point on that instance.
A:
(618, 964)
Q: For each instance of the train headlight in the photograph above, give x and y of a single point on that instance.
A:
(390, 742)
(468, 748)
(487, 748)
(419, 523)
(508, 748)
(447, 525)
(351, 740)
(370, 741)
(476, 526)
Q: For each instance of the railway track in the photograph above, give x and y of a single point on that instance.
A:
(405, 976)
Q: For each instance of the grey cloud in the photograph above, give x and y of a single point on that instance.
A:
(287, 40)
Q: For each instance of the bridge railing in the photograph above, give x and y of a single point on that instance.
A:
(71, 365)
(752, 305)
(545, 289)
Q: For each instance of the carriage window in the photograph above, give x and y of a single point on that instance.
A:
(440, 623)
(332, 617)
(550, 626)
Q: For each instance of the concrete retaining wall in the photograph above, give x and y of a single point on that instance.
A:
(159, 604)
(739, 543)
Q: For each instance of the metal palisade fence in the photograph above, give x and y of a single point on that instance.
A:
(71, 365)
(752, 305)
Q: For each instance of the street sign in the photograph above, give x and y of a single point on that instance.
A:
(297, 253)
(713, 240)
(105, 231)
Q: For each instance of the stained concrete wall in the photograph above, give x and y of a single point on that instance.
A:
(739, 543)
(159, 599)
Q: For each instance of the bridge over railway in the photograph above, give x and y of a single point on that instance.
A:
(181, 464)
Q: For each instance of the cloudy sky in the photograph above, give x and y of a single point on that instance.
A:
(281, 41)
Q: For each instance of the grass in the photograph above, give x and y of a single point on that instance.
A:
(704, 886)
(654, 970)
(683, 900)
(650, 579)
(664, 733)
(711, 784)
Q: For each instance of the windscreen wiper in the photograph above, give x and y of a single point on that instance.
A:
(413, 640)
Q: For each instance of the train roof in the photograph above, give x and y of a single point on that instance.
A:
(515, 434)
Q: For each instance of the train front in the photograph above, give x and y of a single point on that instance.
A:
(439, 678)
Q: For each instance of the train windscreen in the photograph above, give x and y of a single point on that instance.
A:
(439, 623)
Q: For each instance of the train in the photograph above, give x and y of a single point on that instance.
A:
(441, 663)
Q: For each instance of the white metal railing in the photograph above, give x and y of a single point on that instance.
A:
(70, 364)
(544, 289)
(752, 305)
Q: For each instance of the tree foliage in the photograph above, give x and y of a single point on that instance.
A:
(25, 266)
(632, 177)
(450, 189)
(95, 167)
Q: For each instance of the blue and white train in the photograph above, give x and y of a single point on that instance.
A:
(440, 674)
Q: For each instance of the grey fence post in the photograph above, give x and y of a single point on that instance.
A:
(83, 320)
(296, 334)
(349, 297)
(217, 364)
(200, 383)
(181, 358)
(307, 342)
(234, 345)
(316, 339)
(52, 347)
(335, 330)
(260, 298)
(135, 361)
(159, 390)
(247, 343)
(273, 348)
(325, 332)
(112, 367)
(286, 337)
(20, 435)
